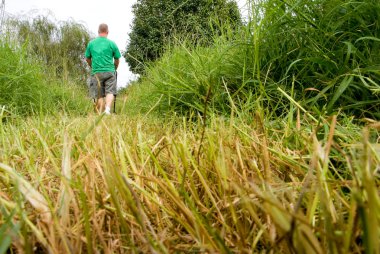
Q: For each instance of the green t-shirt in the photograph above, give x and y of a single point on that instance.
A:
(102, 51)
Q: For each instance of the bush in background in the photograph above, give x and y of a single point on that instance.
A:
(25, 88)
(158, 23)
(59, 45)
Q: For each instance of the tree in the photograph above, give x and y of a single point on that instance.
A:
(156, 23)
(59, 45)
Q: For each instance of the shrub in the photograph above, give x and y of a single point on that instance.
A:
(25, 88)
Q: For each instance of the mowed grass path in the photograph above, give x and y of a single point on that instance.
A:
(139, 185)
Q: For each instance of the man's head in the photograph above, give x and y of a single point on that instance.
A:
(103, 29)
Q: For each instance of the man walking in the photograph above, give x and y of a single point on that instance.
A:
(102, 55)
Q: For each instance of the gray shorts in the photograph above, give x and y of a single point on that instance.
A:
(101, 84)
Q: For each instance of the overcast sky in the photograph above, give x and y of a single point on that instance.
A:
(117, 14)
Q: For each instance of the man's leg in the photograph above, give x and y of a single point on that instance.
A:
(98, 101)
(111, 89)
(100, 105)
(109, 100)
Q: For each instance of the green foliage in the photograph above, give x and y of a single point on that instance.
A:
(328, 48)
(137, 98)
(25, 88)
(59, 45)
(158, 23)
(42, 67)
(318, 56)
(189, 79)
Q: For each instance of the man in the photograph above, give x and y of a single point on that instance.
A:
(102, 55)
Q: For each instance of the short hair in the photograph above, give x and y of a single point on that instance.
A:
(103, 28)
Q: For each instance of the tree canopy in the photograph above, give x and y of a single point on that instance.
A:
(156, 23)
(59, 45)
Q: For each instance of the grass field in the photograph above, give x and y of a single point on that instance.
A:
(265, 141)
(137, 185)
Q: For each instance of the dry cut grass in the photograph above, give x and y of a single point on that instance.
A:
(122, 185)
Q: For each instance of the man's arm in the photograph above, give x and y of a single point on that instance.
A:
(116, 63)
(89, 61)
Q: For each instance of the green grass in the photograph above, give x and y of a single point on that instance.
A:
(326, 65)
(42, 70)
(27, 89)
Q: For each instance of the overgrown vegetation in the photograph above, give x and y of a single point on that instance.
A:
(26, 88)
(42, 69)
(134, 185)
(327, 50)
(323, 54)
(58, 44)
(256, 146)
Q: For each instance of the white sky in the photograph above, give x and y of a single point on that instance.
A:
(117, 14)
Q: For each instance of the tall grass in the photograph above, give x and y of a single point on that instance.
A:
(29, 78)
(299, 47)
(327, 48)
(278, 175)
(26, 90)
(134, 186)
